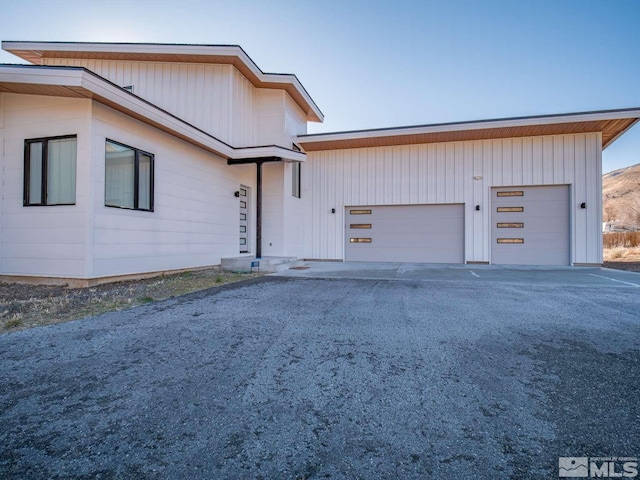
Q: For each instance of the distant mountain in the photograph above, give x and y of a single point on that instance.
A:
(621, 196)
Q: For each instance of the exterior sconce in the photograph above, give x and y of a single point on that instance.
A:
(477, 208)
(333, 210)
(583, 205)
(236, 194)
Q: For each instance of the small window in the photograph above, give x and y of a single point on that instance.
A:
(296, 177)
(360, 212)
(128, 88)
(510, 209)
(360, 225)
(50, 171)
(511, 194)
(511, 240)
(359, 240)
(511, 225)
(128, 177)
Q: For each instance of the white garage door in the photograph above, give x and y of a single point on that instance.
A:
(405, 233)
(530, 225)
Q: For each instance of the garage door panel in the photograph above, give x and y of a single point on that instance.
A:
(534, 224)
(410, 225)
(544, 234)
(411, 240)
(406, 233)
(418, 255)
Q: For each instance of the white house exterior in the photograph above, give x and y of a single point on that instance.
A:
(127, 159)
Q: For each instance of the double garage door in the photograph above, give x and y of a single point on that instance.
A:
(405, 233)
(529, 226)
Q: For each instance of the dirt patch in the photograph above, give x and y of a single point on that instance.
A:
(26, 306)
(622, 258)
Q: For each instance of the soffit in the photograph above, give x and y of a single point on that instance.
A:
(610, 129)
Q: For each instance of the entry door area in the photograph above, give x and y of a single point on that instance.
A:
(405, 233)
(244, 219)
(530, 225)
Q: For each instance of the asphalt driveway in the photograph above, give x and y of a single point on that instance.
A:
(287, 378)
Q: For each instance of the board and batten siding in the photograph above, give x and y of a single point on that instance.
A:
(196, 217)
(215, 98)
(43, 241)
(443, 173)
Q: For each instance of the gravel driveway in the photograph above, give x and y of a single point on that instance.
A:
(302, 378)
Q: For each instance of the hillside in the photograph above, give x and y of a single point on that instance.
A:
(621, 196)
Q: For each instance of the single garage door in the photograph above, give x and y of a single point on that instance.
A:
(405, 233)
(530, 225)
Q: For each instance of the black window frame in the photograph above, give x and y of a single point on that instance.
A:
(296, 172)
(45, 167)
(136, 178)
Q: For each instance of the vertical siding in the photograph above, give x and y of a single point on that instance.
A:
(272, 209)
(214, 98)
(243, 110)
(443, 174)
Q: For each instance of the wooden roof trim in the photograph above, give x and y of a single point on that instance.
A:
(610, 127)
(35, 52)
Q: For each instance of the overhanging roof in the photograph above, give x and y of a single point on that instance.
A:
(78, 82)
(611, 123)
(35, 52)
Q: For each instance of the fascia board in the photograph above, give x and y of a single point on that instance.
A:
(71, 77)
(269, 151)
(480, 125)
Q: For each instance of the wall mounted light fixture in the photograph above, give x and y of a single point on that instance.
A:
(236, 194)
(333, 210)
(477, 208)
(583, 205)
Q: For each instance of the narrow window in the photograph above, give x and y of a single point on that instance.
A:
(510, 209)
(128, 177)
(511, 194)
(296, 177)
(360, 225)
(50, 171)
(511, 240)
(360, 212)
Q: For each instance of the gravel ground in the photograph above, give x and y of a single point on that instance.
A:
(26, 306)
(283, 378)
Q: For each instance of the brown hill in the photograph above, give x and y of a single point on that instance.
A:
(621, 196)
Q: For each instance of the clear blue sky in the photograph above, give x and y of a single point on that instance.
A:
(370, 64)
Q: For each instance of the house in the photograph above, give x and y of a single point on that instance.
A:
(129, 159)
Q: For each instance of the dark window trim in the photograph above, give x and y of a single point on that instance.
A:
(44, 169)
(136, 178)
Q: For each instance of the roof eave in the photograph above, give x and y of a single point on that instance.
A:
(78, 82)
(517, 127)
(34, 52)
